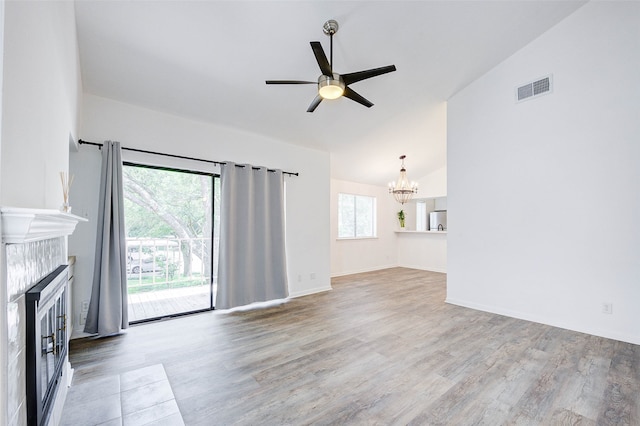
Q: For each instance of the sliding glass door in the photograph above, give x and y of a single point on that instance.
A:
(171, 220)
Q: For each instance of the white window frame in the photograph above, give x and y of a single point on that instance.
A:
(374, 222)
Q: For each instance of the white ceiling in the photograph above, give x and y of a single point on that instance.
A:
(209, 60)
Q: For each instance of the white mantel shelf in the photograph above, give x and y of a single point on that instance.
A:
(23, 225)
(420, 232)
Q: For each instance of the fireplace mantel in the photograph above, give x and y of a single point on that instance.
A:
(23, 225)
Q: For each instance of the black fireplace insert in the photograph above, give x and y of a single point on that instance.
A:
(46, 346)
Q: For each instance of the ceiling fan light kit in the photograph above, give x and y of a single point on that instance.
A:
(332, 85)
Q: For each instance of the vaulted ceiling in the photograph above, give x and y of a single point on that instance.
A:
(208, 60)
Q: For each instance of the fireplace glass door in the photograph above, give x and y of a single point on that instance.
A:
(46, 342)
(53, 335)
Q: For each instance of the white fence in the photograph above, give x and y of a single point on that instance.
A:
(154, 263)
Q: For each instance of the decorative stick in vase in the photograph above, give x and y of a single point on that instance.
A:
(66, 184)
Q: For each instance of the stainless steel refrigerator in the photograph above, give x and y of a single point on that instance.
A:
(438, 220)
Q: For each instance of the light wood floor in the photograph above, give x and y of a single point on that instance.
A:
(381, 348)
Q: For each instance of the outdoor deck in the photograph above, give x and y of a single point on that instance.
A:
(162, 303)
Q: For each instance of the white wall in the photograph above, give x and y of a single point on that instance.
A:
(350, 256)
(434, 184)
(3, 293)
(423, 250)
(41, 98)
(543, 195)
(307, 196)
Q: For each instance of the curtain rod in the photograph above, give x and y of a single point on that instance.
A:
(99, 145)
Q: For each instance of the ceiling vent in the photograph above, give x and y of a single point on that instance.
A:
(534, 89)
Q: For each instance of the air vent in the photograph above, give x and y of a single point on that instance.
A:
(536, 88)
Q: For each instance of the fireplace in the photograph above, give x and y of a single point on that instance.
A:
(46, 350)
(34, 294)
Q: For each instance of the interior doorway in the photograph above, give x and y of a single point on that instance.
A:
(172, 226)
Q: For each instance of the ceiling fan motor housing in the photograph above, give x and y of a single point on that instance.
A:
(331, 87)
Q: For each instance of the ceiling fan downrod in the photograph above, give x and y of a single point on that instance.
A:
(330, 28)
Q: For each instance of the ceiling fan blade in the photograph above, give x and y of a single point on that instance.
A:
(314, 104)
(323, 63)
(363, 75)
(290, 82)
(351, 94)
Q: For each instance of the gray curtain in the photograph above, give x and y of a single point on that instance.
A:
(108, 306)
(252, 266)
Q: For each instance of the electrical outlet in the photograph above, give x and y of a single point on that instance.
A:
(312, 276)
(83, 318)
(85, 306)
(607, 308)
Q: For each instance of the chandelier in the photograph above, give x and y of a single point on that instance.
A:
(402, 190)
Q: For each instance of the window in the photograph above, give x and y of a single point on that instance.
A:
(356, 216)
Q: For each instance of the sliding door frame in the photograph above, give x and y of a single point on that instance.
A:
(213, 177)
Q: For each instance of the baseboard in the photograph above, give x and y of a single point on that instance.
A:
(360, 271)
(425, 268)
(608, 334)
(380, 268)
(308, 292)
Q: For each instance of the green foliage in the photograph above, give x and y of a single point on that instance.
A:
(165, 203)
(401, 215)
(141, 224)
(172, 268)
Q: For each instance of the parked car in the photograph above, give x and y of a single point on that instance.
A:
(151, 255)
(142, 259)
(142, 266)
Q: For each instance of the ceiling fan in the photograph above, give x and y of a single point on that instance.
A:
(332, 85)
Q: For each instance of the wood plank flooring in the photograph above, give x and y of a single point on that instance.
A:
(380, 348)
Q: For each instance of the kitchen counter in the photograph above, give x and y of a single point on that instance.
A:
(422, 250)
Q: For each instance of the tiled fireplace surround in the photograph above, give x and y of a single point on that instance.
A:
(34, 244)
